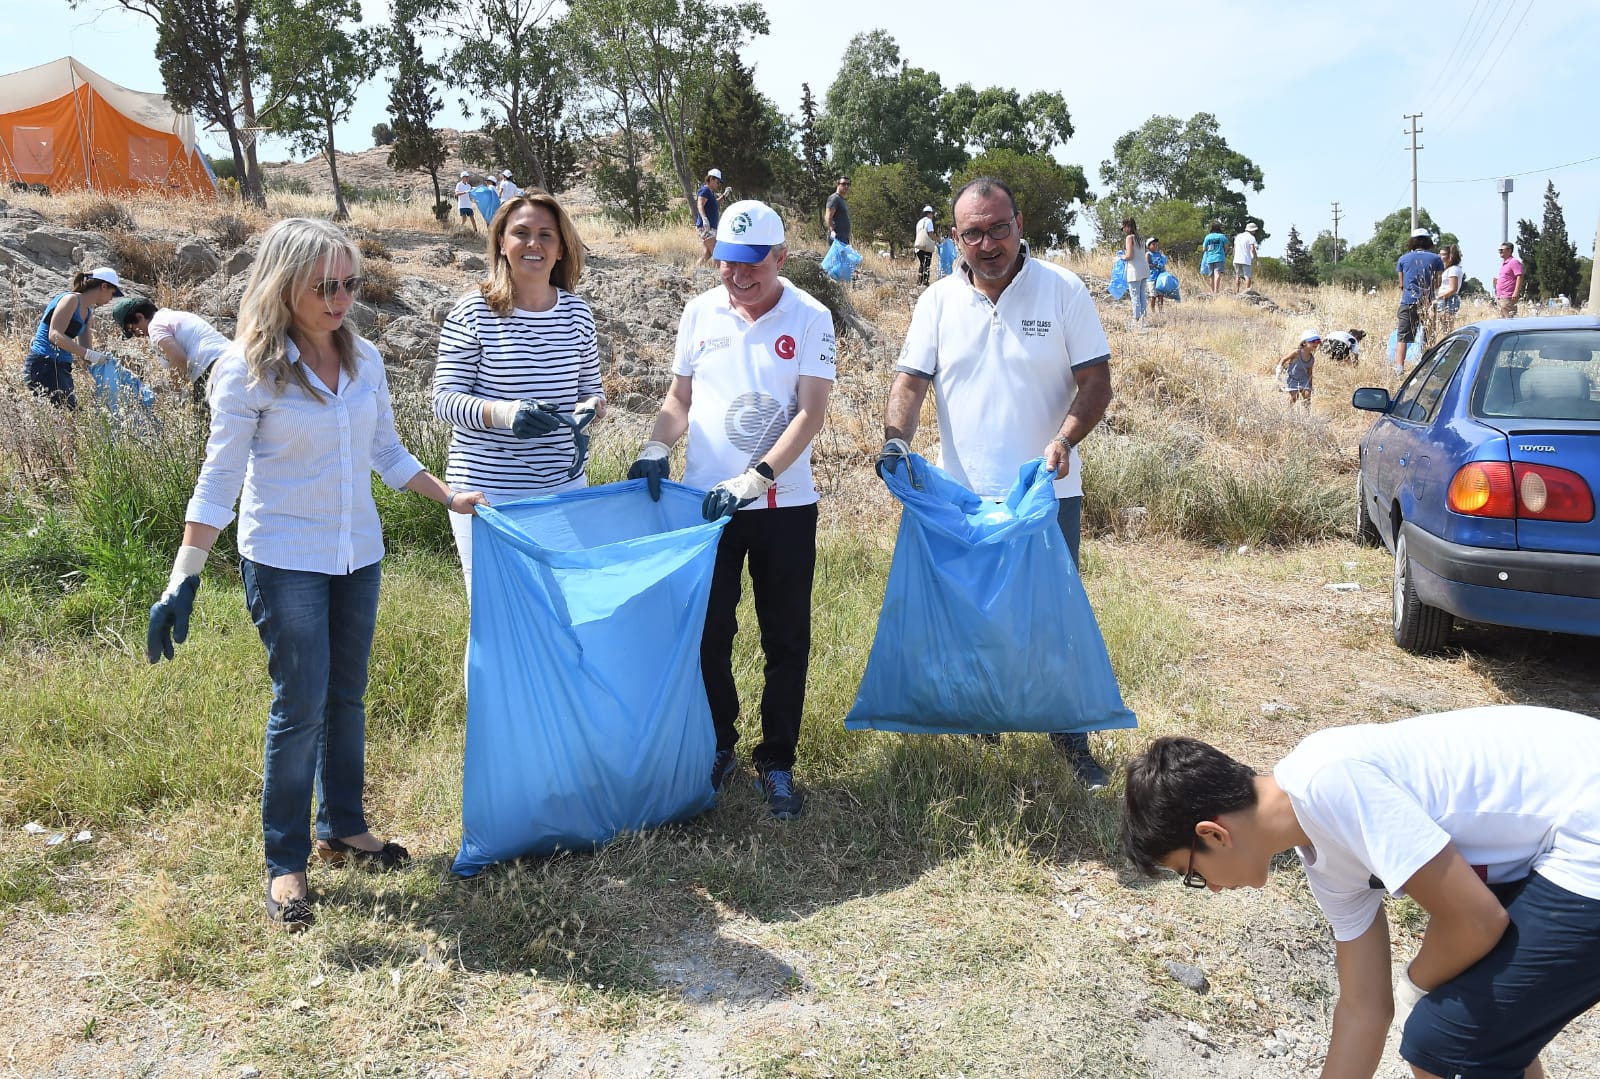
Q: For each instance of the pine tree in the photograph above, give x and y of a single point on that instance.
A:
(1557, 260)
(813, 147)
(1528, 251)
(1302, 267)
(414, 143)
(734, 131)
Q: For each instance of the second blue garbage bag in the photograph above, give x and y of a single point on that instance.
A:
(985, 626)
(586, 713)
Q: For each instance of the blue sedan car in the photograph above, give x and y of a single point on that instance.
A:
(1480, 475)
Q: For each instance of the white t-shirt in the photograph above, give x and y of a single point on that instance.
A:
(464, 195)
(508, 190)
(200, 341)
(1244, 249)
(1512, 786)
(1456, 272)
(746, 386)
(1003, 373)
(1139, 265)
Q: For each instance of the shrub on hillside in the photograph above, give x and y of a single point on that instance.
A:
(102, 215)
(141, 258)
(231, 231)
(371, 247)
(380, 283)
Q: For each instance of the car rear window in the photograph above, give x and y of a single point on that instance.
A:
(1541, 374)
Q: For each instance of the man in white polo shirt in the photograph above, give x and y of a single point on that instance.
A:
(751, 377)
(188, 343)
(1022, 367)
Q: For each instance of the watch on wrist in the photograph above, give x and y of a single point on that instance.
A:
(1063, 440)
(765, 470)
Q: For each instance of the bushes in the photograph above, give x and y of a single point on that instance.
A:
(101, 215)
(231, 231)
(141, 258)
(380, 282)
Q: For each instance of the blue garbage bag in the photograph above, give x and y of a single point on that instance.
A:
(1166, 284)
(586, 713)
(119, 389)
(985, 626)
(487, 200)
(1118, 286)
(841, 261)
(1414, 349)
(947, 257)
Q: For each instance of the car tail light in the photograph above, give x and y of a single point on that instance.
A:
(1483, 489)
(1537, 492)
(1552, 494)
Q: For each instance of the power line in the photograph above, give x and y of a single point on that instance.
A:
(1504, 175)
(1492, 64)
(1488, 43)
(1444, 69)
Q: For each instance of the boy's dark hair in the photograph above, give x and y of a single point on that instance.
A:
(143, 307)
(1172, 786)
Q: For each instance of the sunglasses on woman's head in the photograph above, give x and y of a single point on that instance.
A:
(331, 286)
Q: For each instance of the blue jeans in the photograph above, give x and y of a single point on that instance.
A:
(318, 632)
(1069, 518)
(1136, 289)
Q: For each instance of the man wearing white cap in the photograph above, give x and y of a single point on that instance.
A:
(1244, 256)
(707, 212)
(508, 188)
(1419, 269)
(464, 200)
(925, 244)
(751, 377)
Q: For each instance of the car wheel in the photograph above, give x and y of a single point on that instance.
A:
(1366, 532)
(1418, 627)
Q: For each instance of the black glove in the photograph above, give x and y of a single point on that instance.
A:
(651, 466)
(535, 418)
(169, 619)
(894, 452)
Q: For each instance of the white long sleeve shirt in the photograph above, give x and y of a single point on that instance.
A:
(303, 466)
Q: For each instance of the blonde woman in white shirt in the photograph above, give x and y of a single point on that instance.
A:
(300, 419)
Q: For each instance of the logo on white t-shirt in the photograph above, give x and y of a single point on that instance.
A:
(710, 344)
(784, 347)
(1036, 327)
(754, 421)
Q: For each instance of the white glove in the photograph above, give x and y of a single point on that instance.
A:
(94, 356)
(748, 486)
(1406, 995)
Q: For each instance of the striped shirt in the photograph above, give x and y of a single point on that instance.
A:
(530, 355)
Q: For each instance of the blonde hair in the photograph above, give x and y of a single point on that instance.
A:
(294, 253)
(564, 274)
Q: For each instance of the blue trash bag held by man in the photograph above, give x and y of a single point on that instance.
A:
(586, 713)
(1118, 285)
(985, 625)
(947, 257)
(487, 200)
(841, 261)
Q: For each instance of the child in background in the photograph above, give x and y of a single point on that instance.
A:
(1297, 368)
(1158, 266)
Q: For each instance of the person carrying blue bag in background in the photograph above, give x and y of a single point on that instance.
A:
(751, 378)
(1023, 368)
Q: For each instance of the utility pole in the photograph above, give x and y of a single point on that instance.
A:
(1504, 187)
(1336, 216)
(1414, 131)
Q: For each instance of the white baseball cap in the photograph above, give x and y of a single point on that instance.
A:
(1310, 336)
(109, 276)
(927, 209)
(464, 175)
(714, 174)
(1251, 227)
(506, 173)
(747, 232)
(1420, 231)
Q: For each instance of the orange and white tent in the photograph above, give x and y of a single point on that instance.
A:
(65, 127)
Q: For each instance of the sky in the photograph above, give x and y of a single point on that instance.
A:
(1315, 94)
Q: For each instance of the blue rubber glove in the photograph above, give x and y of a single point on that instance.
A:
(894, 453)
(730, 496)
(535, 418)
(652, 467)
(169, 615)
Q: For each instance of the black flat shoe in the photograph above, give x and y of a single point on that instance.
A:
(291, 915)
(390, 856)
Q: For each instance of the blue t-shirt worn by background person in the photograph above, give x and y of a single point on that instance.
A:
(713, 208)
(1419, 270)
(1216, 249)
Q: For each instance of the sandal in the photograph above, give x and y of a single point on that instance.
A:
(390, 856)
(291, 915)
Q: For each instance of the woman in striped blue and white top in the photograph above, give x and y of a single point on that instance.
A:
(514, 354)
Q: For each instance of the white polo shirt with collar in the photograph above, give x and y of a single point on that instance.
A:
(1003, 372)
(747, 386)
